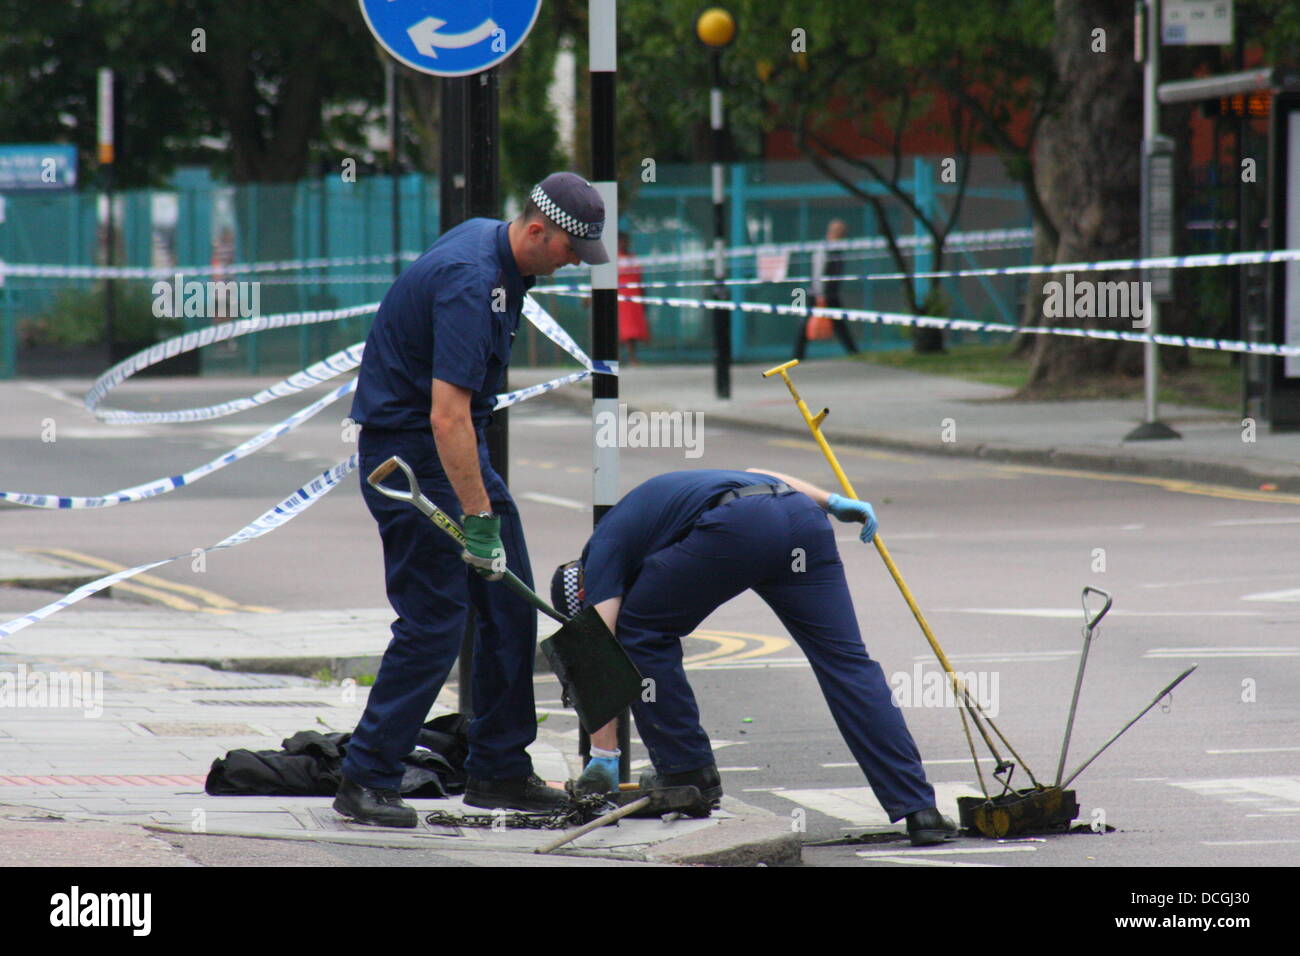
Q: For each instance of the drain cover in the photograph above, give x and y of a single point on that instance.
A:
(176, 728)
(264, 703)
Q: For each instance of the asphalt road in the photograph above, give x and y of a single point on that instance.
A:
(996, 556)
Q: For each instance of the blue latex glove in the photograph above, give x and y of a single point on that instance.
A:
(599, 776)
(850, 509)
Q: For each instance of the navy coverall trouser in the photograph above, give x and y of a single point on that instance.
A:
(430, 588)
(747, 543)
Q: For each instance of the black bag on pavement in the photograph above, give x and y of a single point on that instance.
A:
(310, 764)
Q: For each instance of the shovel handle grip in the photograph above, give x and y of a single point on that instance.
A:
(383, 471)
(1095, 619)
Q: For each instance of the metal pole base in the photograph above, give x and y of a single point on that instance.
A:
(1148, 431)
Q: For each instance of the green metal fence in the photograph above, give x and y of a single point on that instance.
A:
(55, 324)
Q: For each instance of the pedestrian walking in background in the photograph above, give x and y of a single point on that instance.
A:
(632, 324)
(827, 266)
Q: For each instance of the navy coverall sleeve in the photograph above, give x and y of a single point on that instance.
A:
(464, 333)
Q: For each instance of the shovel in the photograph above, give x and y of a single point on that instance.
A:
(596, 676)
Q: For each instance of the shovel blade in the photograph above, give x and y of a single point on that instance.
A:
(595, 671)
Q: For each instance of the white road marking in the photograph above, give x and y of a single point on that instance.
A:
(1257, 750)
(106, 432)
(919, 861)
(1247, 842)
(234, 430)
(50, 391)
(1286, 597)
(1244, 521)
(1007, 656)
(743, 665)
(1131, 527)
(739, 769)
(1282, 792)
(858, 805)
(549, 421)
(1199, 581)
(761, 789)
(955, 760)
(1198, 652)
(1074, 612)
(556, 500)
(1012, 848)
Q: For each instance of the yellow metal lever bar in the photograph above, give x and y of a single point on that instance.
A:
(814, 425)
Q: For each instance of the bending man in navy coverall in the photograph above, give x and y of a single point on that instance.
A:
(434, 361)
(681, 544)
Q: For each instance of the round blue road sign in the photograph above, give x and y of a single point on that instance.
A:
(450, 37)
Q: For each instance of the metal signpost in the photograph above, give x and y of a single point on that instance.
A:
(460, 41)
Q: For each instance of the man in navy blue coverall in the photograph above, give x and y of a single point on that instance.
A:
(434, 361)
(681, 544)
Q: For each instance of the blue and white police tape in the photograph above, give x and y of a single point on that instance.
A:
(971, 239)
(553, 331)
(683, 283)
(161, 486)
(285, 511)
(1201, 261)
(341, 361)
(38, 270)
(322, 371)
(301, 499)
(965, 325)
(336, 364)
(190, 341)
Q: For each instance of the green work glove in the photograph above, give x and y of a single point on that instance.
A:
(483, 549)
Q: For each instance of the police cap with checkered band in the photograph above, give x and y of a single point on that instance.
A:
(573, 204)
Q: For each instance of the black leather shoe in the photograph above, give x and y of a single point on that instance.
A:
(928, 827)
(705, 779)
(380, 808)
(528, 793)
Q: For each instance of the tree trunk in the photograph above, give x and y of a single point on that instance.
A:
(1089, 172)
(1031, 307)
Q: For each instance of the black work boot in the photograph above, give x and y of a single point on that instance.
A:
(928, 827)
(528, 793)
(377, 807)
(705, 779)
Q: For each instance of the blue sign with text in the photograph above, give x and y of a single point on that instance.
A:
(38, 166)
(450, 37)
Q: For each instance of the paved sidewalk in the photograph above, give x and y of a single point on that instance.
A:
(909, 411)
(114, 776)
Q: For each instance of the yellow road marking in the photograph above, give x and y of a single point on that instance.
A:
(156, 588)
(1168, 484)
(726, 646)
(1175, 485)
(860, 452)
(735, 646)
(767, 644)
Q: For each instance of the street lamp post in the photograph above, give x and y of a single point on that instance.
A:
(716, 28)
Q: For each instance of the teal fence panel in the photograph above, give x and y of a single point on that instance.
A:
(201, 227)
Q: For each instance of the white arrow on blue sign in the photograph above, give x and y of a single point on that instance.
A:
(450, 37)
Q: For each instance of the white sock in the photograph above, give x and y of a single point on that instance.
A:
(598, 752)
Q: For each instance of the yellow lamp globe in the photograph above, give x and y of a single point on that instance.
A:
(715, 27)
